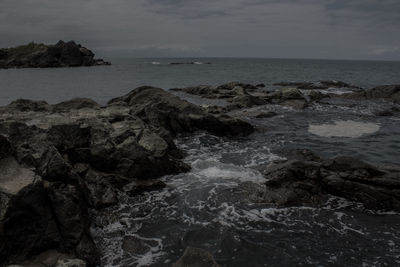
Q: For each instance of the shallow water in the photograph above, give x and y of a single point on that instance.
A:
(209, 207)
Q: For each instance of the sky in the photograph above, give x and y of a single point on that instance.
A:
(328, 29)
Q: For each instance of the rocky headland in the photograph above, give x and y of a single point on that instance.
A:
(59, 161)
(62, 54)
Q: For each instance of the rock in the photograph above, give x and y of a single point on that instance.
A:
(138, 187)
(28, 105)
(388, 92)
(162, 109)
(196, 257)
(290, 93)
(308, 180)
(62, 54)
(76, 103)
(58, 161)
(321, 85)
(27, 225)
(52, 258)
(247, 101)
(70, 263)
(292, 97)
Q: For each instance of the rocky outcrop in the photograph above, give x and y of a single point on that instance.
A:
(196, 257)
(57, 161)
(62, 54)
(307, 179)
(169, 113)
(386, 92)
(320, 85)
(241, 95)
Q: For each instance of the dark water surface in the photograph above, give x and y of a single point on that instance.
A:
(104, 82)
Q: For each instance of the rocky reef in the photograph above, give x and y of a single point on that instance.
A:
(306, 178)
(62, 54)
(57, 161)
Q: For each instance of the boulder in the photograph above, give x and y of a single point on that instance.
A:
(26, 105)
(162, 109)
(196, 257)
(308, 179)
(76, 103)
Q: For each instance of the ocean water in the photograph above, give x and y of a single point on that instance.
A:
(208, 207)
(105, 82)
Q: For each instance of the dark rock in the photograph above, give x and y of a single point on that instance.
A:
(196, 257)
(138, 187)
(28, 105)
(57, 161)
(389, 92)
(61, 54)
(321, 85)
(309, 180)
(162, 109)
(76, 103)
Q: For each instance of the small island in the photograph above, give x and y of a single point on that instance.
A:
(62, 54)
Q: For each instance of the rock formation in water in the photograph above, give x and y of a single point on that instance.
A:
(62, 54)
(307, 179)
(246, 95)
(320, 85)
(385, 92)
(57, 161)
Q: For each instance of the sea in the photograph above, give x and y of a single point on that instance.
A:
(205, 208)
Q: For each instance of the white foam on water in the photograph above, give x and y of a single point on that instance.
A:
(344, 129)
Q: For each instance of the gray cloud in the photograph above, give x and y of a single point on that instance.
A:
(359, 29)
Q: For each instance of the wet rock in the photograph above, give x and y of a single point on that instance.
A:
(386, 92)
(62, 54)
(58, 161)
(320, 85)
(75, 103)
(27, 225)
(292, 97)
(138, 187)
(389, 92)
(309, 180)
(162, 109)
(52, 258)
(28, 105)
(196, 257)
(70, 263)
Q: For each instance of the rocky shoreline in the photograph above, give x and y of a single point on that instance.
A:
(62, 54)
(58, 161)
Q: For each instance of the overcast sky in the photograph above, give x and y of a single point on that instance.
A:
(337, 29)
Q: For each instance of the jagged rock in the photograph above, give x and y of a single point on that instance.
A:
(386, 92)
(76, 103)
(51, 258)
(26, 221)
(308, 179)
(196, 257)
(389, 92)
(62, 54)
(138, 187)
(70, 263)
(162, 109)
(292, 97)
(57, 161)
(28, 105)
(320, 85)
